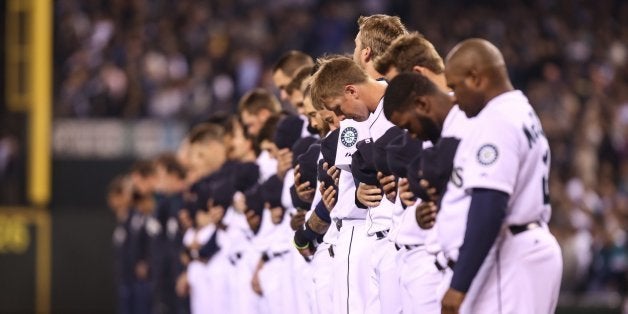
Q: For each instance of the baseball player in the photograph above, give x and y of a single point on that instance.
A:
(495, 211)
(343, 87)
(427, 119)
(350, 251)
(285, 71)
(171, 185)
(119, 200)
(322, 260)
(255, 108)
(417, 247)
(376, 32)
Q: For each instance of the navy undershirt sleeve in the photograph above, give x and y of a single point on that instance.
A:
(322, 212)
(486, 214)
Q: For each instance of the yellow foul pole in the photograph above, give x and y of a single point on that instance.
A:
(40, 123)
(40, 109)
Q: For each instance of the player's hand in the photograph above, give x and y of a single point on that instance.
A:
(252, 219)
(329, 197)
(185, 220)
(255, 284)
(426, 215)
(406, 196)
(304, 191)
(284, 162)
(297, 220)
(333, 172)
(215, 213)
(431, 191)
(369, 195)
(181, 287)
(389, 185)
(307, 252)
(239, 202)
(451, 301)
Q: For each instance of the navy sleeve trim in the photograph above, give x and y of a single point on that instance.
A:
(322, 212)
(486, 215)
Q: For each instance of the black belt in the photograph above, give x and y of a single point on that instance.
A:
(517, 229)
(440, 267)
(407, 246)
(266, 257)
(381, 234)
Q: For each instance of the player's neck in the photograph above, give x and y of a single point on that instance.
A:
(371, 72)
(373, 93)
(496, 90)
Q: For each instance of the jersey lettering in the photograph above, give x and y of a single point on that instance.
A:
(534, 131)
(545, 182)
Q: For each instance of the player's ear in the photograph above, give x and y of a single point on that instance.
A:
(422, 104)
(366, 54)
(474, 78)
(418, 69)
(351, 91)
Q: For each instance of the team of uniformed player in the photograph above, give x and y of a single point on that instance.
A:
(404, 184)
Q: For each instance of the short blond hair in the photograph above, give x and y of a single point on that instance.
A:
(408, 51)
(333, 74)
(378, 31)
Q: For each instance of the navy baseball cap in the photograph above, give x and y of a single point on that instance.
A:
(362, 166)
(245, 175)
(288, 131)
(255, 200)
(400, 152)
(380, 158)
(328, 147)
(203, 195)
(308, 165)
(190, 198)
(271, 191)
(296, 201)
(301, 146)
(437, 163)
(414, 178)
(223, 191)
(323, 176)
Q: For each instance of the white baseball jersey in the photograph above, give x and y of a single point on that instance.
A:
(286, 198)
(503, 149)
(408, 232)
(379, 218)
(405, 229)
(267, 166)
(345, 207)
(351, 132)
(506, 151)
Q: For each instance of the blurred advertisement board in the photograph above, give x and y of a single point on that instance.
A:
(113, 139)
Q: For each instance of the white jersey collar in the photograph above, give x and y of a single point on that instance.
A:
(506, 97)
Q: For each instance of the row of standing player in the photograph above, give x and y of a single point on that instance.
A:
(365, 250)
(475, 183)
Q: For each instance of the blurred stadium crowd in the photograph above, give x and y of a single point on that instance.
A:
(190, 60)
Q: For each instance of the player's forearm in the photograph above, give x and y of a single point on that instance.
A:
(486, 214)
(317, 224)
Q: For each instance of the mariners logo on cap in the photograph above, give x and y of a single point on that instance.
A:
(487, 154)
(349, 136)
